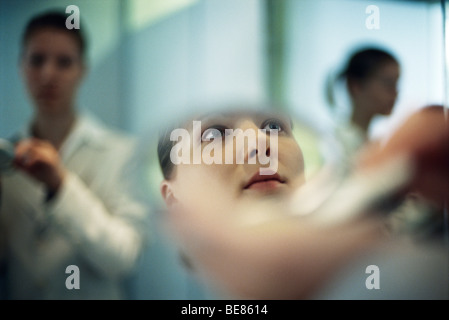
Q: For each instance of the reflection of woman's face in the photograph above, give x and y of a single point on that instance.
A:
(220, 186)
(378, 93)
(52, 68)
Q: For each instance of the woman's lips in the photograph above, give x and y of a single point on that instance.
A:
(266, 185)
(48, 94)
(264, 182)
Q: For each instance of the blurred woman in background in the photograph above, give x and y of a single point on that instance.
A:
(370, 77)
(72, 226)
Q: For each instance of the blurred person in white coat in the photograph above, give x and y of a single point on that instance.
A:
(72, 227)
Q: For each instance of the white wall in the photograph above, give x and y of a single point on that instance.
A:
(210, 52)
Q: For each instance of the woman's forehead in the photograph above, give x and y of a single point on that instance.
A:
(234, 115)
(44, 38)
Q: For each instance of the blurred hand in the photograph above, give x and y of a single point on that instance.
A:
(424, 139)
(40, 160)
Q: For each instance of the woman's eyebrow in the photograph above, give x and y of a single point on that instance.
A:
(211, 117)
(279, 116)
(260, 116)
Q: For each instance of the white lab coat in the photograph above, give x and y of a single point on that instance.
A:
(94, 222)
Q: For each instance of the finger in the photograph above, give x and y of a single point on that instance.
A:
(40, 142)
(29, 154)
(23, 155)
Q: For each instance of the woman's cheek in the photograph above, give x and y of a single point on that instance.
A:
(290, 155)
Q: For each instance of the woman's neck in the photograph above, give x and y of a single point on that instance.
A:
(53, 128)
(361, 119)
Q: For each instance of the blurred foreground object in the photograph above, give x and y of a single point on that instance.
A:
(270, 249)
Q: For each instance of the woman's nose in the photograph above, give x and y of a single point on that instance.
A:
(259, 143)
(48, 72)
(251, 154)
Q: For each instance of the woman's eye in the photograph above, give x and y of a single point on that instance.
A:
(64, 62)
(213, 133)
(273, 125)
(37, 60)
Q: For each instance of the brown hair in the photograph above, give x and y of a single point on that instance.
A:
(57, 20)
(164, 147)
(364, 63)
